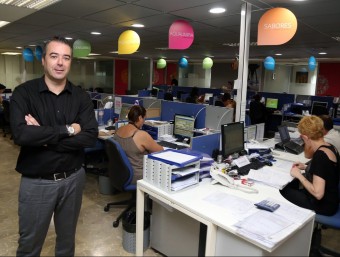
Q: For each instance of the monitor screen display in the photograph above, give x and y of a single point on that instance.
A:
(272, 103)
(184, 126)
(232, 138)
(207, 96)
(124, 111)
(319, 108)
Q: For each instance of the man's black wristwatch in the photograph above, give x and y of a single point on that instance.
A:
(70, 130)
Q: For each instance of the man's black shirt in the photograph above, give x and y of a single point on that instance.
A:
(48, 148)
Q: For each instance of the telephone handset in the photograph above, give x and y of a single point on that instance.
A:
(222, 178)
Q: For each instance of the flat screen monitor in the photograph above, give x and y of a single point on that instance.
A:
(184, 126)
(272, 103)
(319, 108)
(232, 138)
(124, 111)
(207, 96)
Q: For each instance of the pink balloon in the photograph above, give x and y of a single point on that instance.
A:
(181, 35)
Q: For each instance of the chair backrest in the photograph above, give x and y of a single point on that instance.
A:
(119, 167)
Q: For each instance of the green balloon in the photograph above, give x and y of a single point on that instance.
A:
(207, 63)
(161, 63)
(81, 48)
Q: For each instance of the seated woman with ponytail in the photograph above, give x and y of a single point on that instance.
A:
(136, 142)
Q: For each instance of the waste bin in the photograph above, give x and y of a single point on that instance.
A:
(129, 231)
(105, 186)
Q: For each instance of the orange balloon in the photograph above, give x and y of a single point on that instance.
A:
(276, 27)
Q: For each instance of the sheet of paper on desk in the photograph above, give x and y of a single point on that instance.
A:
(180, 184)
(185, 171)
(271, 176)
(237, 207)
(262, 225)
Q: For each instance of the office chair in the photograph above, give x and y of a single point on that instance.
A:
(120, 172)
(326, 222)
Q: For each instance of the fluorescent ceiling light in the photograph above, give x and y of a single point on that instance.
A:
(68, 38)
(137, 25)
(322, 53)
(19, 47)
(3, 23)
(30, 4)
(114, 52)
(217, 10)
(92, 54)
(95, 33)
(11, 53)
(278, 54)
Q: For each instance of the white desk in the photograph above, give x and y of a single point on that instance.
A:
(221, 235)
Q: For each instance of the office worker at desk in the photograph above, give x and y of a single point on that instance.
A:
(320, 184)
(136, 142)
(257, 110)
(331, 135)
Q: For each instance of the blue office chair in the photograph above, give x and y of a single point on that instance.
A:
(120, 172)
(327, 222)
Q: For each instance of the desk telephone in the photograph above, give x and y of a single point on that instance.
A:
(226, 180)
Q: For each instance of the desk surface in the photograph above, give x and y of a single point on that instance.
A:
(194, 203)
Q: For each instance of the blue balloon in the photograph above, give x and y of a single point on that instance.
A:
(183, 63)
(38, 53)
(311, 63)
(28, 55)
(269, 63)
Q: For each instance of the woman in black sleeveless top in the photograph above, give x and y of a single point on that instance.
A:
(320, 183)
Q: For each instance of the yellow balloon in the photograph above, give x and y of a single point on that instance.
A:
(128, 42)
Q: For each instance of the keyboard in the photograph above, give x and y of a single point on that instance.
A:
(293, 147)
(255, 164)
(172, 145)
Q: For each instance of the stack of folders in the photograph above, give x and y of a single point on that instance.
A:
(205, 164)
(183, 177)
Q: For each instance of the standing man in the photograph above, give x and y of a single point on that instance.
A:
(53, 121)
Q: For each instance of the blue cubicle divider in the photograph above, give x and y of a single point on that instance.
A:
(328, 99)
(206, 143)
(283, 98)
(169, 109)
(160, 94)
(144, 92)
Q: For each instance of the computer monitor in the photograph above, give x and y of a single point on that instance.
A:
(124, 111)
(184, 126)
(319, 108)
(272, 103)
(232, 138)
(207, 97)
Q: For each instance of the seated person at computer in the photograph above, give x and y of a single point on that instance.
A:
(136, 142)
(230, 103)
(194, 96)
(257, 110)
(331, 135)
(320, 182)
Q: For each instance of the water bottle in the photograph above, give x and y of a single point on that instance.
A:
(100, 117)
(330, 112)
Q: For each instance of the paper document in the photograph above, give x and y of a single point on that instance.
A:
(271, 176)
(183, 183)
(175, 157)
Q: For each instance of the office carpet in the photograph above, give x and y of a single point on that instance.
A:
(95, 234)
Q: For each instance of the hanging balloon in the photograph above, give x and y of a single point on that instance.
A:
(269, 63)
(128, 42)
(38, 53)
(161, 64)
(311, 63)
(28, 55)
(183, 63)
(207, 63)
(81, 48)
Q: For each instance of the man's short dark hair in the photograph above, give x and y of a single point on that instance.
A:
(56, 39)
(2, 86)
(327, 122)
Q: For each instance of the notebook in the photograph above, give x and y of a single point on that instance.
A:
(287, 143)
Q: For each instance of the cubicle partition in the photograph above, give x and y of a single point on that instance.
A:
(169, 109)
(282, 98)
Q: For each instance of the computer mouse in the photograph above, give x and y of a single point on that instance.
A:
(268, 163)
